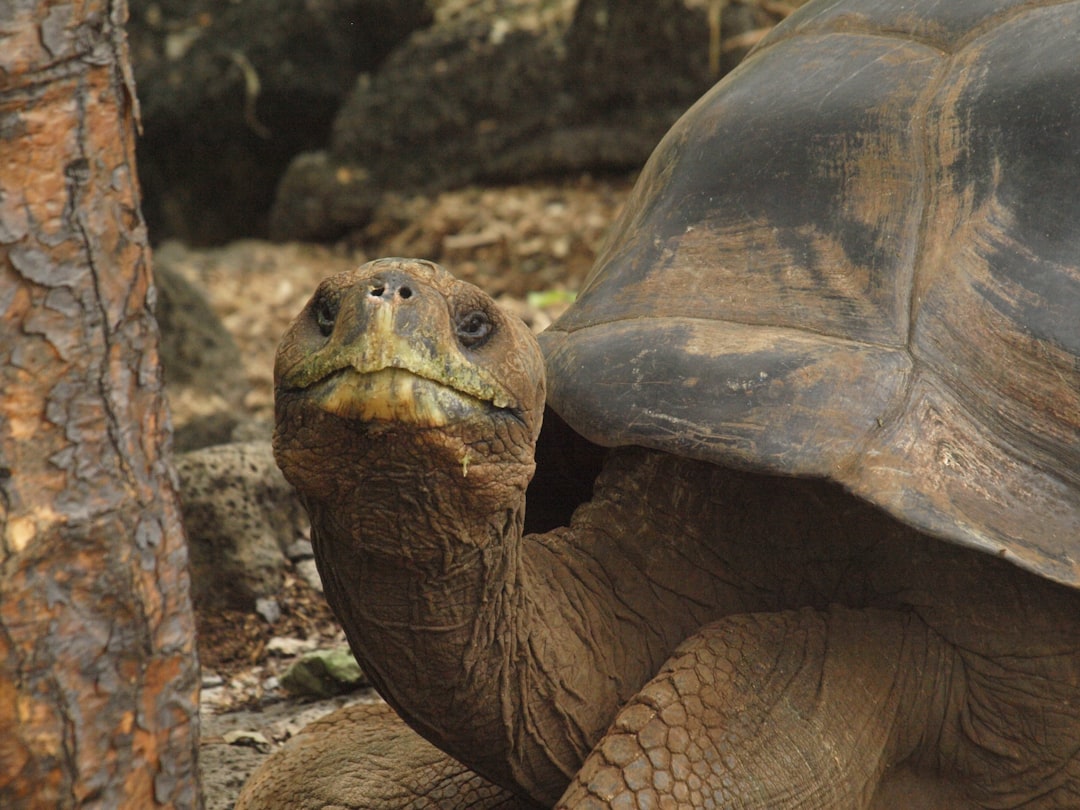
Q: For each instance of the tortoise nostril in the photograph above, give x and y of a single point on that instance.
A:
(390, 289)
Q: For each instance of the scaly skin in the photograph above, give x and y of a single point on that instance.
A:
(363, 756)
(695, 634)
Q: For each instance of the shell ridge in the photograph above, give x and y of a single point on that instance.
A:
(896, 312)
(749, 324)
(817, 20)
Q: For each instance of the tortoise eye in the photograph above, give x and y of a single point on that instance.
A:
(325, 312)
(473, 328)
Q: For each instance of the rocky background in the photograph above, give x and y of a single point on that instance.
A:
(285, 140)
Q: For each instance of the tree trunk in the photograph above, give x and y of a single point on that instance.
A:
(98, 675)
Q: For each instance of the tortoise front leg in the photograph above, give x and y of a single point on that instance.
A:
(801, 709)
(364, 757)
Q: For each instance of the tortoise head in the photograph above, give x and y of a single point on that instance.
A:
(398, 369)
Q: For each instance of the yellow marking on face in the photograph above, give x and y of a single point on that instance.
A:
(390, 395)
(395, 395)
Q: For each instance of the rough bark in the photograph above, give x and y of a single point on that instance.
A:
(98, 676)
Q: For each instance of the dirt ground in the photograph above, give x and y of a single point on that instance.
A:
(529, 246)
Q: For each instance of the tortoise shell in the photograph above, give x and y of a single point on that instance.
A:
(858, 257)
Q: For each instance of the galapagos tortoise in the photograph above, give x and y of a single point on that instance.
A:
(833, 350)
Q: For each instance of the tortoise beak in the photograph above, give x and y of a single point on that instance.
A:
(390, 355)
(394, 395)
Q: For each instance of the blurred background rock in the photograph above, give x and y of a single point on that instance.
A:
(292, 118)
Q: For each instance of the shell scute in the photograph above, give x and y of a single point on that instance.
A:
(863, 246)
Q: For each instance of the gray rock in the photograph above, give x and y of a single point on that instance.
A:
(230, 91)
(268, 608)
(200, 359)
(536, 89)
(324, 673)
(240, 514)
(300, 550)
(310, 572)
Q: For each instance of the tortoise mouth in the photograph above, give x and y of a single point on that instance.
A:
(396, 394)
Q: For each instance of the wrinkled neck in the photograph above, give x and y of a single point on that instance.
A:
(437, 630)
(511, 653)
